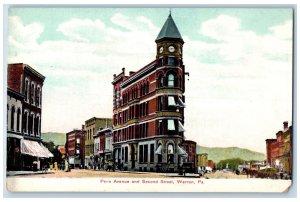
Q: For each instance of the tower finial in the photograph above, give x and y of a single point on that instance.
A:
(170, 12)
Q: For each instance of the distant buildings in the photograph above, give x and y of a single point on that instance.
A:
(92, 125)
(202, 160)
(25, 150)
(190, 147)
(103, 145)
(75, 147)
(279, 150)
(148, 109)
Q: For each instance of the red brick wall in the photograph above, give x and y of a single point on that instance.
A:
(152, 128)
(14, 72)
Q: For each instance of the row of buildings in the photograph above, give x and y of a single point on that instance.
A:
(279, 150)
(147, 126)
(83, 146)
(25, 150)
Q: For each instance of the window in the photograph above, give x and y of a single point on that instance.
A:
(160, 103)
(32, 94)
(126, 154)
(78, 141)
(171, 80)
(37, 125)
(18, 119)
(160, 127)
(25, 123)
(77, 151)
(171, 61)
(141, 153)
(12, 119)
(161, 62)
(145, 153)
(171, 101)
(161, 81)
(26, 90)
(38, 97)
(123, 153)
(151, 153)
(171, 153)
(171, 124)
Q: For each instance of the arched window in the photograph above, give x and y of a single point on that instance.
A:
(160, 80)
(18, 119)
(26, 90)
(171, 80)
(147, 87)
(12, 119)
(170, 151)
(32, 94)
(7, 116)
(31, 124)
(25, 122)
(37, 125)
(38, 97)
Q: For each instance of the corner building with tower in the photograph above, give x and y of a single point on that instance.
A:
(148, 109)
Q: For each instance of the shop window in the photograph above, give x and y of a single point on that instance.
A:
(141, 153)
(145, 153)
(151, 153)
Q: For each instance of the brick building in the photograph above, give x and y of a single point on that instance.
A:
(279, 150)
(148, 108)
(75, 147)
(190, 147)
(103, 145)
(24, 113)
(92, 125)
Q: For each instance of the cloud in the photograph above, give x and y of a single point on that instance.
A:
(239, 87)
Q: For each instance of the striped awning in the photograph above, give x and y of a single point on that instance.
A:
(33, 148)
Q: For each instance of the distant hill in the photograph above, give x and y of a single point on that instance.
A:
(221, 153)
(56, 138)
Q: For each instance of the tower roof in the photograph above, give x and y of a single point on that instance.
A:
(169, 30)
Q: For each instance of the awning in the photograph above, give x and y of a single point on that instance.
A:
(46, 150)
(158, 150)
(181, 152)
(35, 149)
(180, 128)
(180, 102)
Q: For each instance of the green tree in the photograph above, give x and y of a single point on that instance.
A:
(232, 163)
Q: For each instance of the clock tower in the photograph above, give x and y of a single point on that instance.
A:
(169, 41)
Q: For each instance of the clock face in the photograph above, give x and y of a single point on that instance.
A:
(171, 49)
(161, 49)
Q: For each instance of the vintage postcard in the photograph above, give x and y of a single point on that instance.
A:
(149, 99)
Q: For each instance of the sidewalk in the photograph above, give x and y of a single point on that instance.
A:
(23, 172)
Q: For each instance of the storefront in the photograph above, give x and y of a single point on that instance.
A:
(34, 155)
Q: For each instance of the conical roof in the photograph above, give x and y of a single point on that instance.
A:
(169, 30)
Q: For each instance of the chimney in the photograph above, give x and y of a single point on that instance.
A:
(82, 127)
(115, 75)
(285, 125)
(123, 70)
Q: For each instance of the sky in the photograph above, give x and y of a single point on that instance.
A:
(240, 62)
